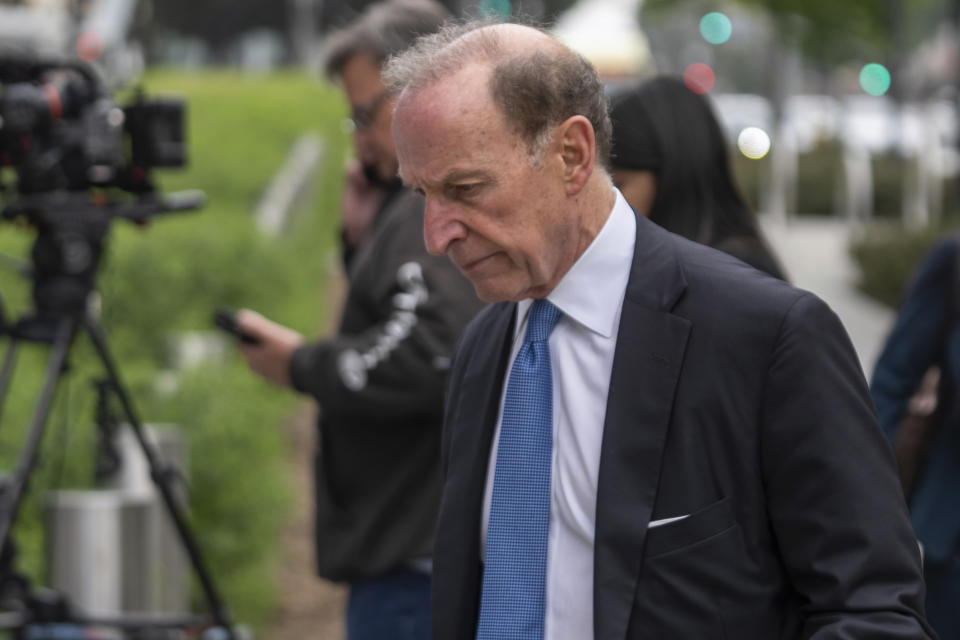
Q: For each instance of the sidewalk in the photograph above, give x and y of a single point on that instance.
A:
(813, 250)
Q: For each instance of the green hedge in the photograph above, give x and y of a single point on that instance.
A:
(168, 278)
(887, 255)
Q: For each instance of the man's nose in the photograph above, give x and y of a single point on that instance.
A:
(441, 227)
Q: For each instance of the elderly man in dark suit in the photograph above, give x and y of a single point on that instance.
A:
(644, 438)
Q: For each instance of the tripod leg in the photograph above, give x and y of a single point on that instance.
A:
(11, 498)
(219, 611)
(9, 359)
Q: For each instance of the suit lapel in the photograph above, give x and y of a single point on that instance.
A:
(646, 369)
(472, 429)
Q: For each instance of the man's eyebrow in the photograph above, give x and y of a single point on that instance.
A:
(461, 175)
(453, 176)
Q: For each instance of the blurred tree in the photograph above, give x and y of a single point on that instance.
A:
(219, 22)
(830, 31)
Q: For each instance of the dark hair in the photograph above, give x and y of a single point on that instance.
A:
(384, 29)
(535, 90)
(664, 127)
(539, 91)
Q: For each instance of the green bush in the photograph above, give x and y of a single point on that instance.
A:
(819, 173)
(889, 170)
(887, 255)
(819, 179)
(167, 278)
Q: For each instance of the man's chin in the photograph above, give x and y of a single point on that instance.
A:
(488, 291)
(491, 292)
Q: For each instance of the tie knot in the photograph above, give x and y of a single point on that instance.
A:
(543, 317)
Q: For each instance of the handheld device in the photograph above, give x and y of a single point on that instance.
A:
(226, 319)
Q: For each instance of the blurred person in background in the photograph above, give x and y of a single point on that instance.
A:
(379, 380)
(670, 161)
(927, 334)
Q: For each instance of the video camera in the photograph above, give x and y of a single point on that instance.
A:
(80, 160)
(59, 131)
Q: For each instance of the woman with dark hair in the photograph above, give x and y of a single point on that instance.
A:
(669, 159)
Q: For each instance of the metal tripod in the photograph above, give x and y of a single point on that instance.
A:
(60, 331)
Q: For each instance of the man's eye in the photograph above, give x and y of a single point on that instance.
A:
(466, 189)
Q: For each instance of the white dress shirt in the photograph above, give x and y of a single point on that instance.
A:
(582, 345)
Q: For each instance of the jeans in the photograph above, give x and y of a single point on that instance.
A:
(394, 606)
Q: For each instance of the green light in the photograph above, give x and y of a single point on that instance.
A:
(875, 79)
(495, 8)
(715, 28)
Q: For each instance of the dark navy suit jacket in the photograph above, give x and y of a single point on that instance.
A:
(738, 400)
(926, 333)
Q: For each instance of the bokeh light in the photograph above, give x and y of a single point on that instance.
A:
(875, 79)
(753, 142)
(699, 78)
(495, 8)
(716, 28)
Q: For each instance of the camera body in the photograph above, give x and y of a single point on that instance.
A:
(59, 132)
(80, 161)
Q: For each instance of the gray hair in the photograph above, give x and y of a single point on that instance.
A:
(384, 29)
(535, 90)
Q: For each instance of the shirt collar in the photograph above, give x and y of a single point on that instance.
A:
(591, 291)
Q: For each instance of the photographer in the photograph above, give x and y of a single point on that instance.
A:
(379, 381)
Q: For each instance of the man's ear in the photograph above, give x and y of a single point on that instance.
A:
(578, 152)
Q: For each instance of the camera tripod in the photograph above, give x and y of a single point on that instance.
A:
(61, 296)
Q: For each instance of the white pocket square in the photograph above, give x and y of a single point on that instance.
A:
(659, 523)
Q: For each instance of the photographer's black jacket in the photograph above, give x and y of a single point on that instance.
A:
(379, 384)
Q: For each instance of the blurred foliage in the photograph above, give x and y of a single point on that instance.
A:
(820, 188)
(819, 179)
(887, 254)
(888, 170)
(218, 22)
(166, 279)
(827, 30)
(831, 31)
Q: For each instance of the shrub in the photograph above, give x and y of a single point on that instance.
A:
(887, 255)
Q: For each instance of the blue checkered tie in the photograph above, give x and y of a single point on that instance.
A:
(515, 567)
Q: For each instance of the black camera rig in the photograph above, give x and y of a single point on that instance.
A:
(61, 133)
(78, 161)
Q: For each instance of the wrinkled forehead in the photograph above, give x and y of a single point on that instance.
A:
(450, 123)
(454, 92)
(458, 104)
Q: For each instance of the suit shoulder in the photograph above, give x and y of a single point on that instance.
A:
(720, 278)
(731, 302)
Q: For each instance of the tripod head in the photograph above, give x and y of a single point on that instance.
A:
(71, 233)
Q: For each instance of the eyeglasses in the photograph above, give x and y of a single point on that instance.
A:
(362, 118)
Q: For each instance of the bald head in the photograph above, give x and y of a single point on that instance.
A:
(535, 81)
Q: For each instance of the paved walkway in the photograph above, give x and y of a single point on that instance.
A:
(814, 252)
